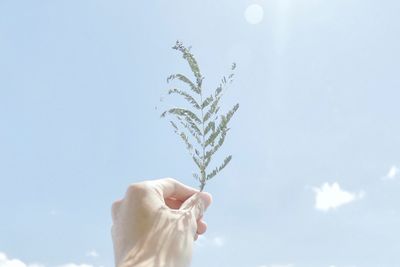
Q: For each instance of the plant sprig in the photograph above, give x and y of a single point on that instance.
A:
(200, 123)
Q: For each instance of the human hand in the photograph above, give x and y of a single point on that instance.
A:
(156, 223)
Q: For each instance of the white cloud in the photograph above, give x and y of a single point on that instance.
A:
(75, 265)
(92, 253)
(216, 241)
(277, 265)
(332, 196)
(392, 174)
(8, 262)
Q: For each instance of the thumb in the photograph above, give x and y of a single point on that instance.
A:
(197, 204)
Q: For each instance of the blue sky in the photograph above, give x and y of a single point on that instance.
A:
(314, 180)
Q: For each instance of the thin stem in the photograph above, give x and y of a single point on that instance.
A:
(202, 186)
(203, 175)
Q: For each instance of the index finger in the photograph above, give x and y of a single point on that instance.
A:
(171, 188)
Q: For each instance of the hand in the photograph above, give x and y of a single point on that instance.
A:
(156, 223)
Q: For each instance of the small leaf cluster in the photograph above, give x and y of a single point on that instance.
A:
(202, 128)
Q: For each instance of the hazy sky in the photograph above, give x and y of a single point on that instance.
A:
(314, 180)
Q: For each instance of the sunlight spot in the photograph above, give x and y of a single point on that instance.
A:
(254, 14)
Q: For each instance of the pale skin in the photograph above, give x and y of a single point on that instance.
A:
(156, 224)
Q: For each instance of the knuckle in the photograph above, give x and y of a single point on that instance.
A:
(115, 207)
(137, 189)
(171, 180)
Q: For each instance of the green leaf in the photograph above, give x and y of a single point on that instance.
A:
(163, 114)
(231, 112)
(213, 136)
(226, 161)
(220, 129)
(174, 125)
(225, 119)
(197, 161)
(207, 161)
(212, 110)
(190, 124)
(194, 126)
(186, 80)
(186, 141)
(195, 133)
(218, 90)
(190, 60)
(197, 153)
(216, 110)
(212, 174)
(196, 176)
(218, 169)
(215, 148)
(187, 96)
(185, 113)
(210, 126)
(207, 101)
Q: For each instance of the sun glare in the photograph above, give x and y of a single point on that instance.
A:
(254, 14)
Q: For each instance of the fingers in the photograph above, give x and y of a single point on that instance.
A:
(171, 188)
(181, 197)
(197, 204)
(115, 209)
(201, 227)
(173, 203)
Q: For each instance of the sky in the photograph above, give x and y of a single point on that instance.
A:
(315, 175)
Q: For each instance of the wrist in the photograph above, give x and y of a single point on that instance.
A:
(149, 255)
(151, 261)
